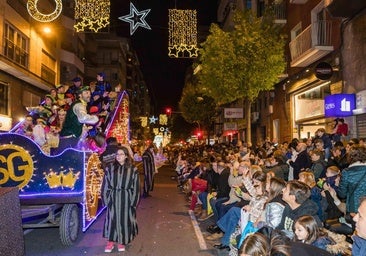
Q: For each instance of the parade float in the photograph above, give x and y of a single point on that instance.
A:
(61, 190)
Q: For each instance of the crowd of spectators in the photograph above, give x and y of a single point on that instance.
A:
(308, 191)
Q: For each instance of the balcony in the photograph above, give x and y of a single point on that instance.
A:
(311, 44)
(279, 11)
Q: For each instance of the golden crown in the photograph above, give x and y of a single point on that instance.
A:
(55, 180)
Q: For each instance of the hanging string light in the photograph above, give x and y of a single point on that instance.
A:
(182, 34)
(91, 15)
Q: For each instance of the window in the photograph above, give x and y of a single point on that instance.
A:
(15, 45)
(48, 67)
(30, 99)
(4, 100)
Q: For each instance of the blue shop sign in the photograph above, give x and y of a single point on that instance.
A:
(338, 105)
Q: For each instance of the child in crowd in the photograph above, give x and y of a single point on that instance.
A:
(318, 163)
(257, 190)
(275, 204)
(307, 231)
(332, 177)
(308, 178)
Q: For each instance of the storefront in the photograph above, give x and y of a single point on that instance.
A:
(316, 107)
(308, 110)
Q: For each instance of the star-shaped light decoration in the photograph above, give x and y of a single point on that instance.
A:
(136, 19)
(153, 119)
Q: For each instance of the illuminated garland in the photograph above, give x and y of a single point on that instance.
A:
(120, 127)
(93, 186)
(182, 34)
(92, 15)
(37, 15)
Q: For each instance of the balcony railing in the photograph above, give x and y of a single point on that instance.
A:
(279, 12)
(311, 44)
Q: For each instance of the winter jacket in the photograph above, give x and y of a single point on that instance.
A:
(318, 168)
(273, 211)
(353, 185)
(358, 246)
(302, 162)
(289, 216)
(223, 188)
(322, 242)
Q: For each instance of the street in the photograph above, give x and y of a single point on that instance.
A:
(165, 228)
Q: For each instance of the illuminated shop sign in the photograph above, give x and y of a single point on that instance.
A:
(337, 105)
(233, 113)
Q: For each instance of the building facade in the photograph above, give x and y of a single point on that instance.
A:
(324, 54)
(33, 61)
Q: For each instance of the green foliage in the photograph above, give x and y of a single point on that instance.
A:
(196, 107)
(241, 63)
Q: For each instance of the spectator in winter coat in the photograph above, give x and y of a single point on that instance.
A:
(353, 179)
(359, 240)
(302, 161)
(296, 194)
(327, 143)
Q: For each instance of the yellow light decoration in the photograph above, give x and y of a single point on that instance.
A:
(143, 120)
(120, 129)
(163, 119)
(92, 15)
(182, 34)
(37, 15)
(156, 131)
(60, 179)
(94, 180)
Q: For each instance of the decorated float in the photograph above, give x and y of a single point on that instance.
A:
(61, 190)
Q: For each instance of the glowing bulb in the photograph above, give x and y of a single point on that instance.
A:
(47, 30)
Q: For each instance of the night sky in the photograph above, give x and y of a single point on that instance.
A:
(164, 76)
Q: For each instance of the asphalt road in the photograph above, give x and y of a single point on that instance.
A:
(165, 228)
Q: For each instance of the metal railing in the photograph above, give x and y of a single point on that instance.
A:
(279, 11)
(317, 34)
